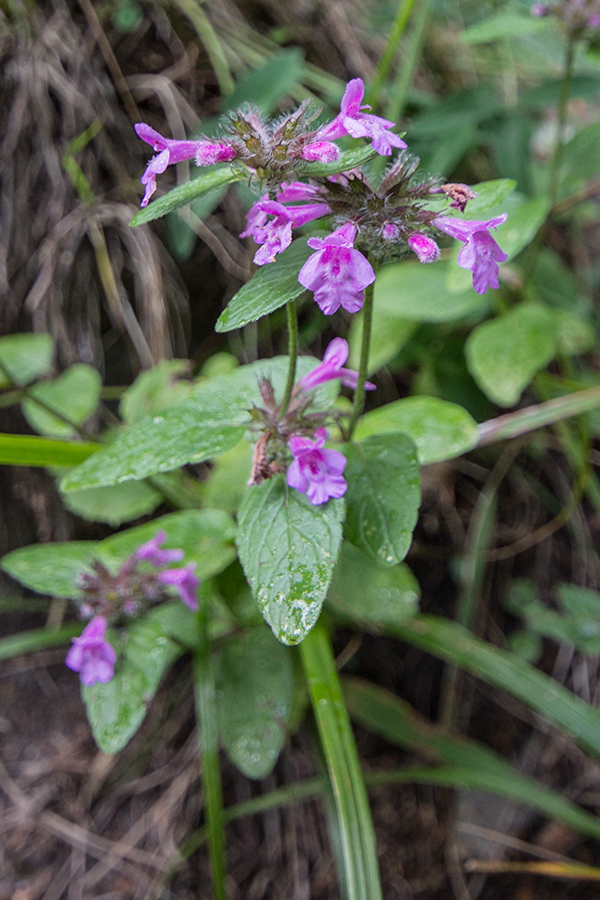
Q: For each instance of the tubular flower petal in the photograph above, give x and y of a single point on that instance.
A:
(353, 121)
(209, 153)
(276, 235)
(185, 581)
(338, 274)
(171, 152)
(91, 654)
(331, 368)
(480, 252)
(321, 151)
(315, 471)
(151, 551)
(425, 247)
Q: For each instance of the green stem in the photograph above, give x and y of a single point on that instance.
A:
(209, 756)
(292, 320)
(389, 52)
(363, 368)
(525, 420)
(563, 101)
(406, 72)
(347, 782)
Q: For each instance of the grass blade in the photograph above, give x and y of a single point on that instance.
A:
(29, 450)
(455, 644)
(465, 763)
(356, 826)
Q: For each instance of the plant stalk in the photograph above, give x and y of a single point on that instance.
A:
(206, 714)
(363, 368)
(292, 321)
(357, 835)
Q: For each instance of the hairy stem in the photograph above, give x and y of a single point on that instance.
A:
(292, 320)
(359, 394)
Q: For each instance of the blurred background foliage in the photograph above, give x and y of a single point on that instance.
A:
(507, 541)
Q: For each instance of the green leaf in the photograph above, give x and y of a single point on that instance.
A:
(208, 180)
(411, 290)
(211, 422)
(470, 764)
(502, 669)
(580, 158)
(388, 336)
(28, 450)
(383, 496)
(51, 568)
(490, 194)
(504, 354)
(115, 504)
(349, 159)
(507, 24)
(74, 394)
(267, 85)
(156, 390)
(205, 536)
(370, 594)
(270, 287)
(288, 549)
(115, 710)
(440, 430)
(228, 479)
(254, 687)
(25, 357)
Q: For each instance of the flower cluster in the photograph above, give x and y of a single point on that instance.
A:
(577, 15)
(142, 581)
(300, 430)
(370, 222)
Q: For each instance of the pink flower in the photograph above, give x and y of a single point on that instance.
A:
(321, 151)
(337, 273)
(185, 581)
(331, 367)
(151, 551)
(91, 654)
(390, 232)
(315, 471)
(425, 247)
(170, 152)
(353, 121)
(276, 235)
(480, 252)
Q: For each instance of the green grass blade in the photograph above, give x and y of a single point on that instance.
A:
(465, 763)
(339, 747)
(455, 644)
(37, 639)
(29, 450)
(208, 738)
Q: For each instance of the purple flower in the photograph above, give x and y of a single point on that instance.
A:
(321, 151)
(390, 232)
(480, 252)
(151, 551)
(91, 654)
(276, 235)
(331, 367)
(353, 121)
(425, 247)
(170, 152)
(338, 274)
(185, 581)
(315, 471)
(211, 152)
